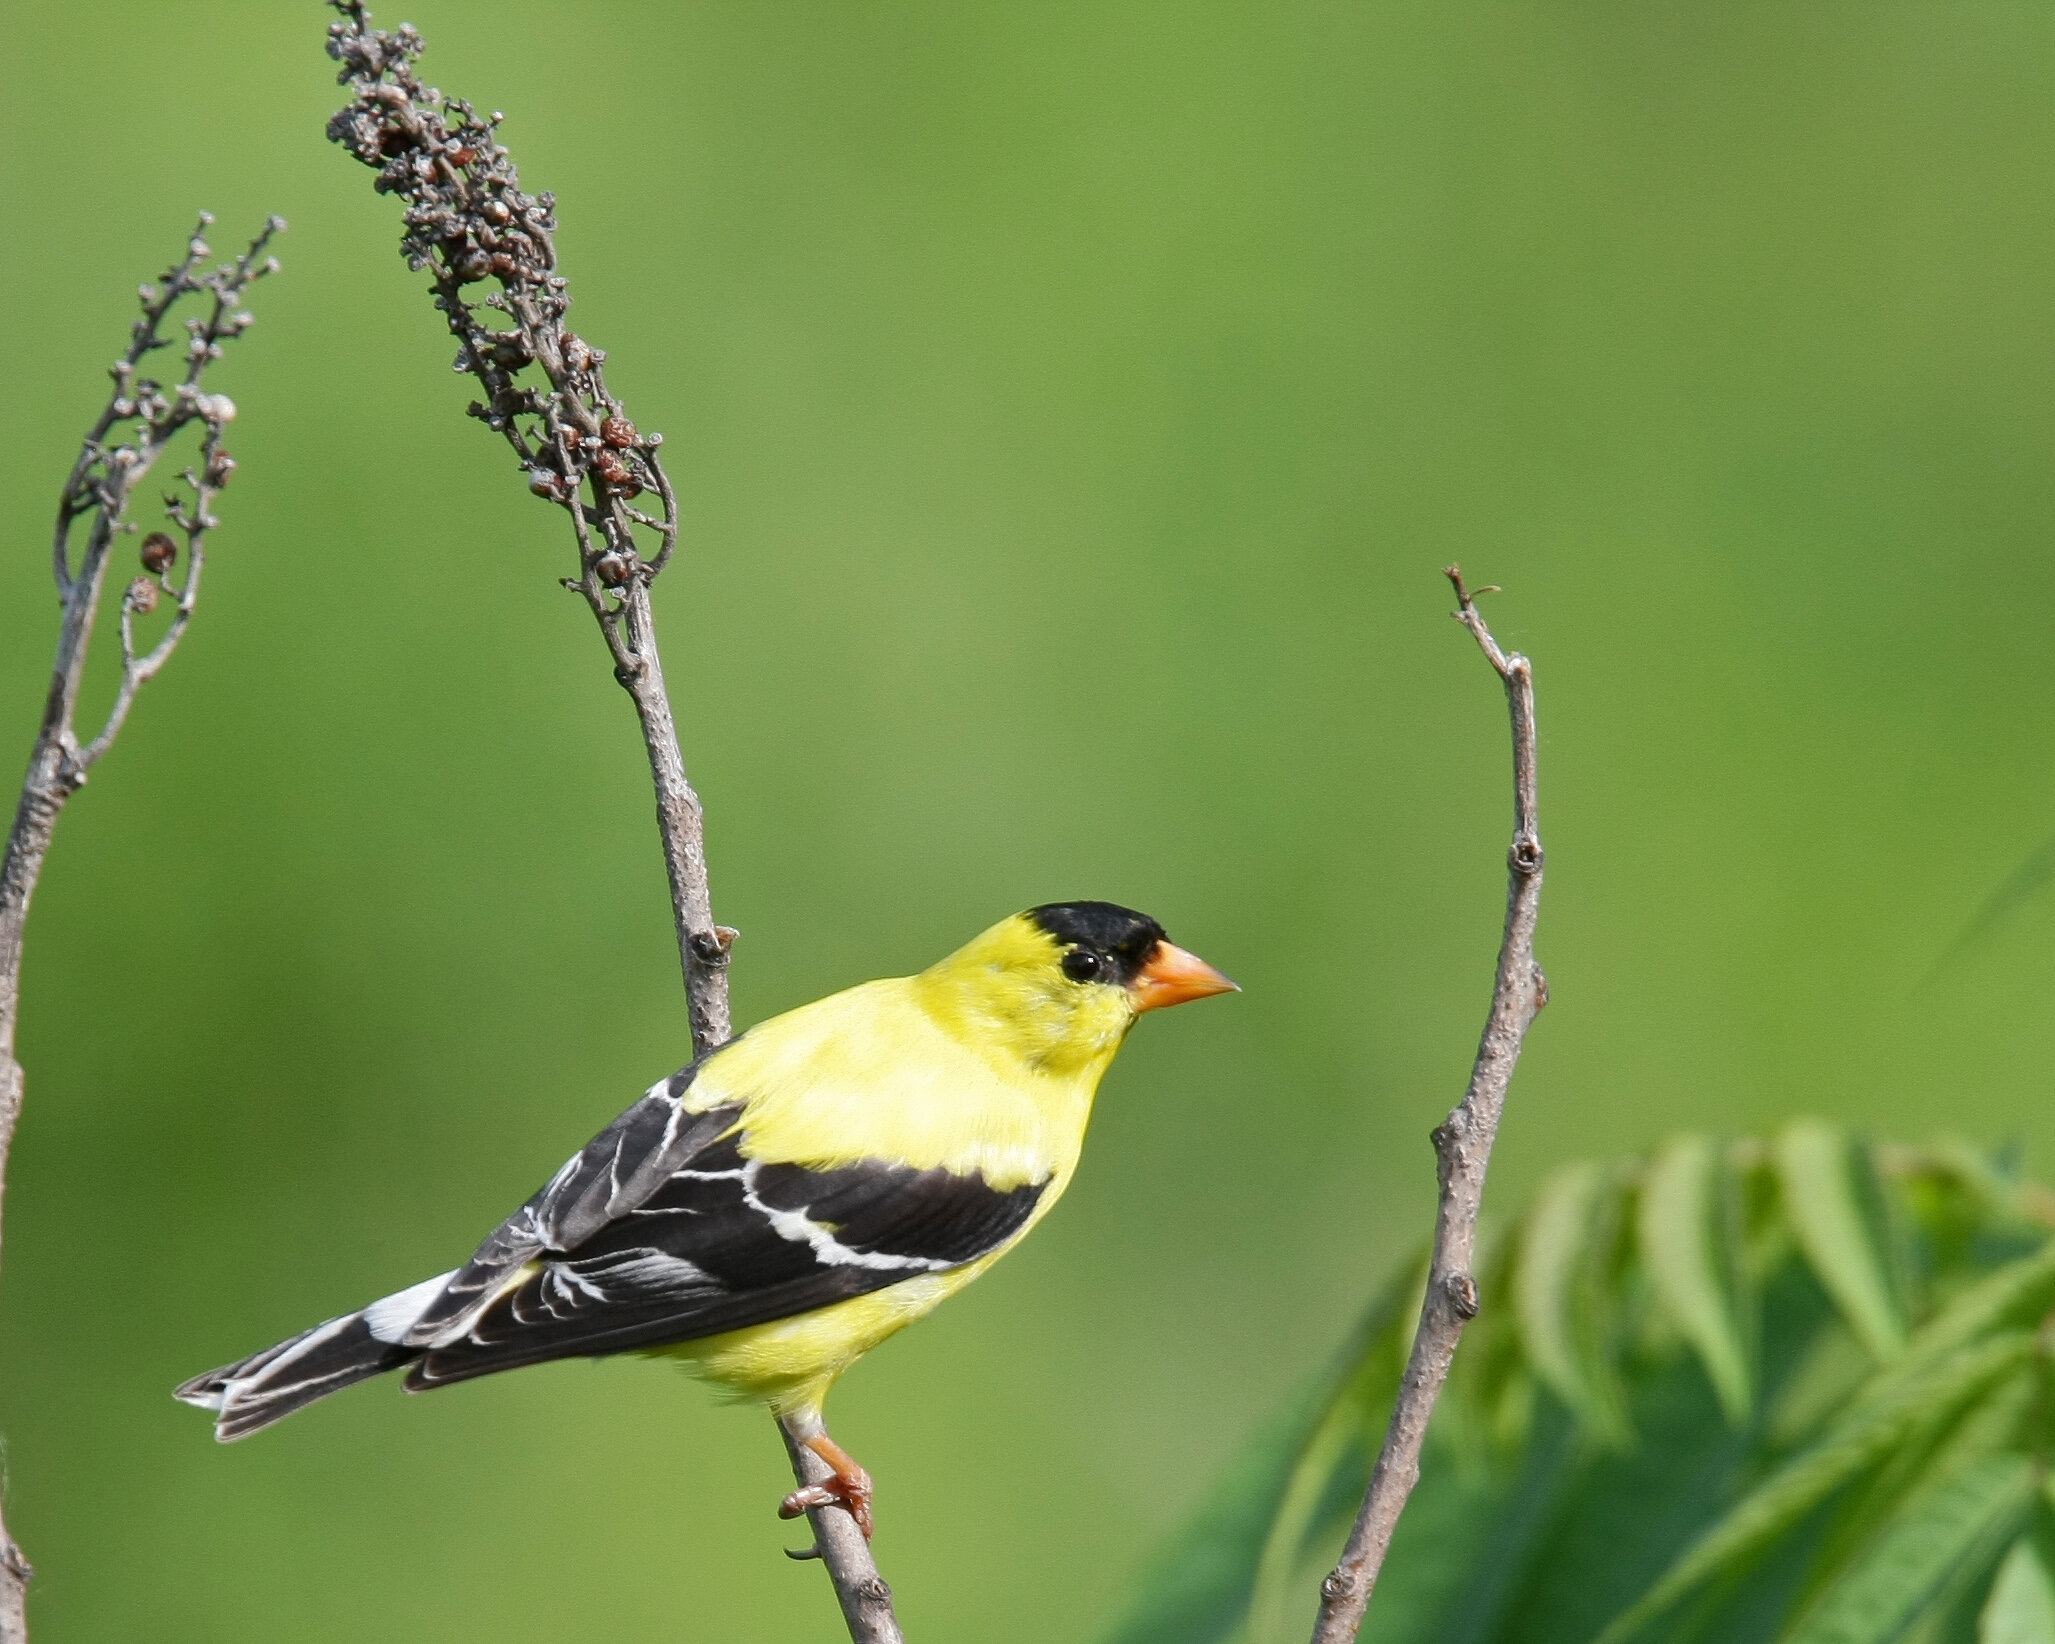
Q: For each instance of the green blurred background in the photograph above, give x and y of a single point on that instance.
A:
(1073, 406)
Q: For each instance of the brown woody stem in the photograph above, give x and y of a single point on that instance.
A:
(141, 418)
(489, 248)
(1462, 1146)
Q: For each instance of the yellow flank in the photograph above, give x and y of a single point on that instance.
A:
(986, 1062)
(791, 1363)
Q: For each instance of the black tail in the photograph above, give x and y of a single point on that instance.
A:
(271, 1385)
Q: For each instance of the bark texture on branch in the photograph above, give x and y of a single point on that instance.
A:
(1462, 1146)
(489, 249)
(865, 1599)
(141, 418)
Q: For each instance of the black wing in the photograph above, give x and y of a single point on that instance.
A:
(606, 1179)
(621, 1251)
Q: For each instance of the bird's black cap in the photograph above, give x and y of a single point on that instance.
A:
(1119, 936)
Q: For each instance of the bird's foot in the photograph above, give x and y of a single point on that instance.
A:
(849, 1488)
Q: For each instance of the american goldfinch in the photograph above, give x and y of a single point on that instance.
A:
(772, 1212)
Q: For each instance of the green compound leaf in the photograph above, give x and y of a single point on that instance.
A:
(1198, 1592)
(1586, 1476)
(1817, 1169)
(1919, 1553)
(2010, 1297)
(1864, 1436)
(1683, 1224)
(1559, 1293)
(2021, 1608)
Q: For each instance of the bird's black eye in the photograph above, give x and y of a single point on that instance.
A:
(1081, 965)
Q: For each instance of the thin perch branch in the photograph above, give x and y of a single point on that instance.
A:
(1462, 1146)
(865, 1599)
(141, 418)
(468, 222)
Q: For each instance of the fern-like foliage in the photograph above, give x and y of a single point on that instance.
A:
(1792, 1390)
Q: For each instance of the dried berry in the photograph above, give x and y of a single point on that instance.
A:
(612, 568)
(609, 466)
(545, 484)
(142, 596)
(618, 431)
(220, 469)
(576, 355)
(160, 553)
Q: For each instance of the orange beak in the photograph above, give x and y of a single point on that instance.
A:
(1173, 976)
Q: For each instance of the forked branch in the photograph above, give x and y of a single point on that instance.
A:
(1462, 1146)
(141, 418)
(489, 250)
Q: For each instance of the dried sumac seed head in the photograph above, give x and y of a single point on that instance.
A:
(160, 553)
(609, 466)
(612, 568)
(142, 596)
(618, 431)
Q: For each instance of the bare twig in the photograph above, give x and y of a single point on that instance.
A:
(141, 418)
(1462, 1146)
(469, 222)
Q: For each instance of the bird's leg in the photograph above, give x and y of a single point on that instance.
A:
(849, 1488)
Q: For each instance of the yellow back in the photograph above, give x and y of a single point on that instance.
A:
(986, 1061)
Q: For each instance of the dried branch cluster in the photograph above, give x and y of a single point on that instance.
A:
(468, 222)
(148, 416)
(143, 415)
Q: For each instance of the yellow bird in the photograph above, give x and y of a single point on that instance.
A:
(772, 1212)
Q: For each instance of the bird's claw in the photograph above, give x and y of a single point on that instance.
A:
(849, 1491)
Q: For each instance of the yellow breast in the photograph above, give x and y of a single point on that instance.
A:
(985, 1064)
(873, 1074)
